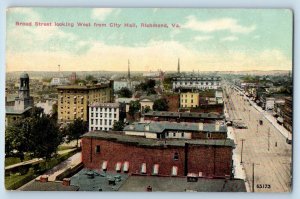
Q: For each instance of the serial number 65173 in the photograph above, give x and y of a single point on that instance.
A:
(263, 186)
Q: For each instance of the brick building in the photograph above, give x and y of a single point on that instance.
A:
(173, 101)
(192, 117)
(288, 114)
(73, 100)
(114, 151)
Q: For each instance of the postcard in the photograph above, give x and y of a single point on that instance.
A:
(149, 99)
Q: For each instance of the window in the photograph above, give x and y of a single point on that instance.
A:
(98, 149)
(115, 115)
(96, 114)
(182, 134)
(92, 114)
(176, 156)
(109, 122)
(109, 115)
(105, 114)
(174, 134)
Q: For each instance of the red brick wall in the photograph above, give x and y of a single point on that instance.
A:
(173, 102)
(212, 161)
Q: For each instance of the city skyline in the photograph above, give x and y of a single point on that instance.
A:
(218, 39)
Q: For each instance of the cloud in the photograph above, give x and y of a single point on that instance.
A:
(101, 13)
(150, 56)
(203, 38)
(230, 38)
(256, 36)
(28, 14)
(222, 24)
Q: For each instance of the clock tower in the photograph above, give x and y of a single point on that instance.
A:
(23, 100)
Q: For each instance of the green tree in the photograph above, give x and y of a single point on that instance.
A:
(37, 135)
(147, 109)
(134, 107)
(90, 78)
(125, 92)
(75, 130)
(54, 112)
(160, 105)
(118, 126)
(45, 137)
(17, 138)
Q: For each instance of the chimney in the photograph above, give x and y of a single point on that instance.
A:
(44, 178)
(217, 126)
(200, 126)
(147, 127)
(66, 182)
(149, 189)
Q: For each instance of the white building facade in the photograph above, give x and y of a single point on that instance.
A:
(200, 83)
(102, 116)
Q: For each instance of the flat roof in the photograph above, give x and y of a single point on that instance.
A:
(184, 114)
(109, 105)
(180, 184)
(48, 186)
(92, 180)
(160, 127)
(85, 87)
(120, 137)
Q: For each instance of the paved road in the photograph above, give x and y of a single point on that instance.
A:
(264, 146)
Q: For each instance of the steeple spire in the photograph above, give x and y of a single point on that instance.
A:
(178, 67)
(128, 69)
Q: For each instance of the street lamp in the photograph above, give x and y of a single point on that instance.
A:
(242, 150)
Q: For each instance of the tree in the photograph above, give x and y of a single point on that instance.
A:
(118, 125)
(37, 135)
(147, 109)
(75, 129)
(45, 137)
(54, 112)
(90, 78)
(134, 107)
(17, 138)
(160, 105)
(125, 92)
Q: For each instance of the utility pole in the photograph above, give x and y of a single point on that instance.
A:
(252, 177)
(242, 150)
(269, 139)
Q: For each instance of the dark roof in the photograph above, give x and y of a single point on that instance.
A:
(141, 141)
(12, 111)
(180, 184)
(48, 186)
(184, 115)
(78, 87)
(98, 181)
(24, 76)
(159, 127)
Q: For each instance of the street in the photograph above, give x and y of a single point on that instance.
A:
(264, 147)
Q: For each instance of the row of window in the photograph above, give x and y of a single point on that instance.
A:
(103, 109)
(200, 83)
(100, 128)
(105, 122)
(105, 115)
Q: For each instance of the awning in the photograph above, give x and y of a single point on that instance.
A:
(104, 165)
(155, 169)
(174, 170)
(144, 168)
(126, 166)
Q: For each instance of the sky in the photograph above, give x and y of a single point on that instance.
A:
(204, 40)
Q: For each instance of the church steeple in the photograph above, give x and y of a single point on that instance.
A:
(128, 69)
(178, 67)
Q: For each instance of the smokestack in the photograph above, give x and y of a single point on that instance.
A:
(66, 182)
(44, 178)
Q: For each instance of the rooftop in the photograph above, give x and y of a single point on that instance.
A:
(159, 127)
(108, 105)
(141, 141)
(90, 180)
(12, 110)
(48, 186)
(180, 184)
(184, 114)
(83, 87)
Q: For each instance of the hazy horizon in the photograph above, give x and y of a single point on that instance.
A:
(205, 39)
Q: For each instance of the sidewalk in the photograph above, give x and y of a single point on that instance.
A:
(35, 160)
(63, 166)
